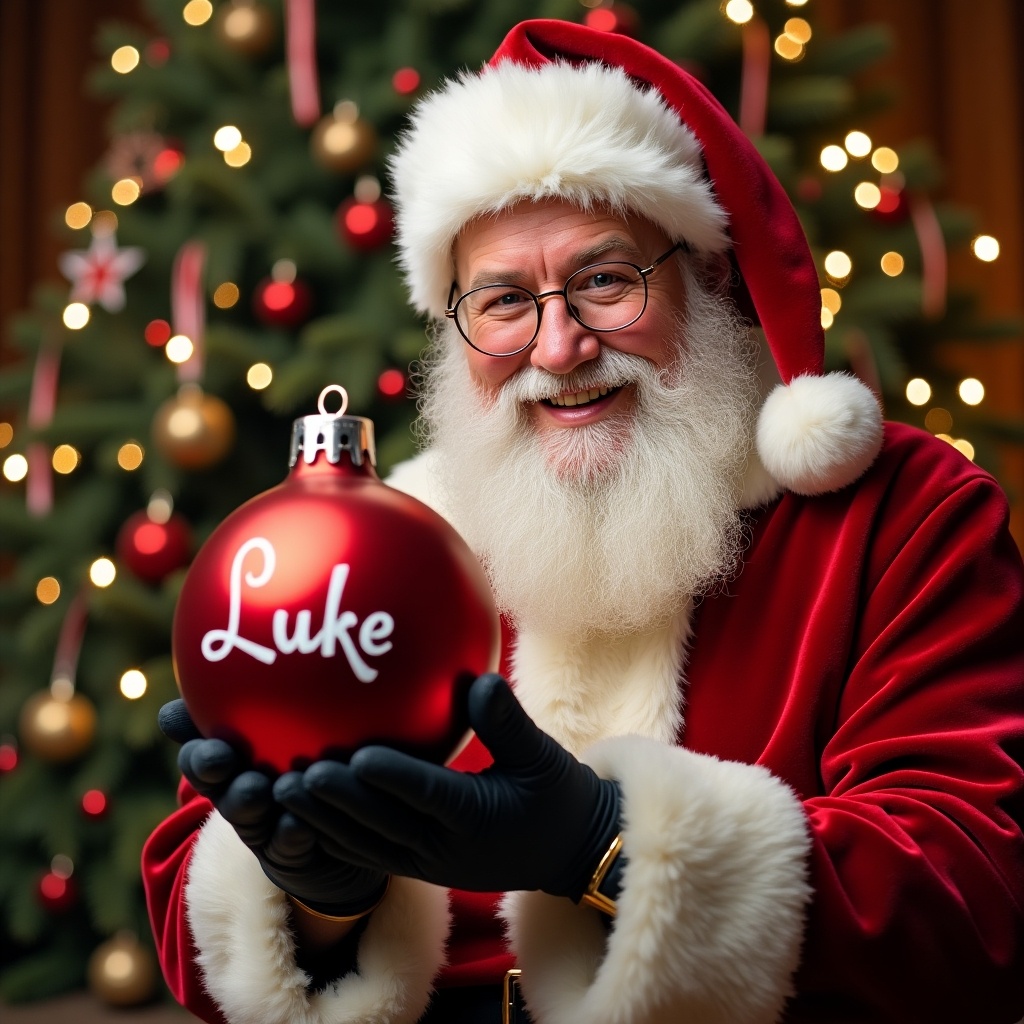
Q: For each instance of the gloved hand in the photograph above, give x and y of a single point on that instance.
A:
(536, 819)
(286, 848)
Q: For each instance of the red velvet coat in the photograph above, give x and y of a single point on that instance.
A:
(845, 802)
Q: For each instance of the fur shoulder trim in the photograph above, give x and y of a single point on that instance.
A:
(711, 912)
(246, 949)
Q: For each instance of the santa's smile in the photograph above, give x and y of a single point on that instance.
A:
(580, 407)
(580, 397)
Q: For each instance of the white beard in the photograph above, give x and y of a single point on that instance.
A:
(605, 529)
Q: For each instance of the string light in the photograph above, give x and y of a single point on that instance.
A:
(259, 376)
(986, 248)
(867, 195)
(831, 299)
(857, 144)
(739, 11)
(239, 156)
(102, 572)
(834, 158)
(197, 12)
(78, 215)
(227, 138)
(919, 391)
(971, 391)
(126, 191)
(798, 30)
(226, 295)
(6, 434)
(48, 590)
(892, 264)
(124, 59)
(827, 318)
(838, 266)
(179, 348)
(133, 684)
(75, 316)
(964, 447)
(130, 456)
(885, 160)
(15, 468)
(66, 458)
(788, 48)
(938, 420)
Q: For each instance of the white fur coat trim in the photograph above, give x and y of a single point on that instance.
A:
(711, 911)
(246, 949)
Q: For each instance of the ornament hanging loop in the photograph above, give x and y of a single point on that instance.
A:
(321, 402)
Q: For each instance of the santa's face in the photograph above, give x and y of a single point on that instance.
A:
(538, 245)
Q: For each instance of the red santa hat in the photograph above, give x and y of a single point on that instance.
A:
(602, 121)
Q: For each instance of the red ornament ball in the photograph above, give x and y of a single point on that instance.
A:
(391, 383)
(57, 892)
(95, 803)
(153, 550)
(330, 612)
(8, 756)
(405, 81)
(618, 18)
(365, 225)
(157, 333)
(282, 303)
(893, 207)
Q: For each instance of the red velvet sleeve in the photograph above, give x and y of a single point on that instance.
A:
(165, 861)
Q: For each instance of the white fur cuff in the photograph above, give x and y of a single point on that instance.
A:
(711, 912)
(246, 950)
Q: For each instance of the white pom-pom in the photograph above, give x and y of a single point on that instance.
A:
(818, 434)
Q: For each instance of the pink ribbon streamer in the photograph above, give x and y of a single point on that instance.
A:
(757, 62)
(300, 47)
(188, 307)
(933, 257)
(41, 403)
(69, 643)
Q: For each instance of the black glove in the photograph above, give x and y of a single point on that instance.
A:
(286, 848)
(536, 819)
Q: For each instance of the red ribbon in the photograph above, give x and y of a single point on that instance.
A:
(188, 307)
(42, 401)
(300, 32)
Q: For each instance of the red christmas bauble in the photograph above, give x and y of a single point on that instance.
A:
(618, 18)
(282, 303)
(366, 225)
(333, 611)
(152, 550)
(57, 892)
(893, 207)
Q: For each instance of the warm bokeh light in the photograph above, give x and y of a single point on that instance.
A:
(367, 189)
(125, 191)
(838, 265)
(102, 572)
(6, 434)
(788, 48)
(133, 684)
(48, 590)
(284, 271)
(885, 160)
(197, 12)
(226, 295)
(124, 59)
(75, 316)
(919, 391)
(834, 158)
(938, 420)
(857, 144)
(259, 376)
(971, 391)
(964, 447)
(239, 156)
(66, 458)
(739, 11)
(986, 248)
(160, 506)
(892, 264)
(78, 215)
(867, 195)
(104, 222)
(15, 468)
(827, 318)
(798, 30)
(179, 348)
(227, 138)
(130, 456)
(831, 300)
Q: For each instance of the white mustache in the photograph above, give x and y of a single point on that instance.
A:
(612, 369)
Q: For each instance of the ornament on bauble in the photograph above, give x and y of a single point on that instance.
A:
(342, 141)
(192, 429)
(57, 727)
(245, 26)
(122, 972)
(333, 611)
(152, 546)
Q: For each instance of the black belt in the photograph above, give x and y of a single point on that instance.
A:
(479, 1004)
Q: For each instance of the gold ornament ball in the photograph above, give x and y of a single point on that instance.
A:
(122, 972)
(343, 144)
(57, 729)
(194, 430)
(246, 27)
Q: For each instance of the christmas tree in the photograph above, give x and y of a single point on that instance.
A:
(228, 259)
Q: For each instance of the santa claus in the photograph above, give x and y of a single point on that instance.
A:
(760, 758)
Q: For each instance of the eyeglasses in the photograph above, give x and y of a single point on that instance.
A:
(504, 319)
